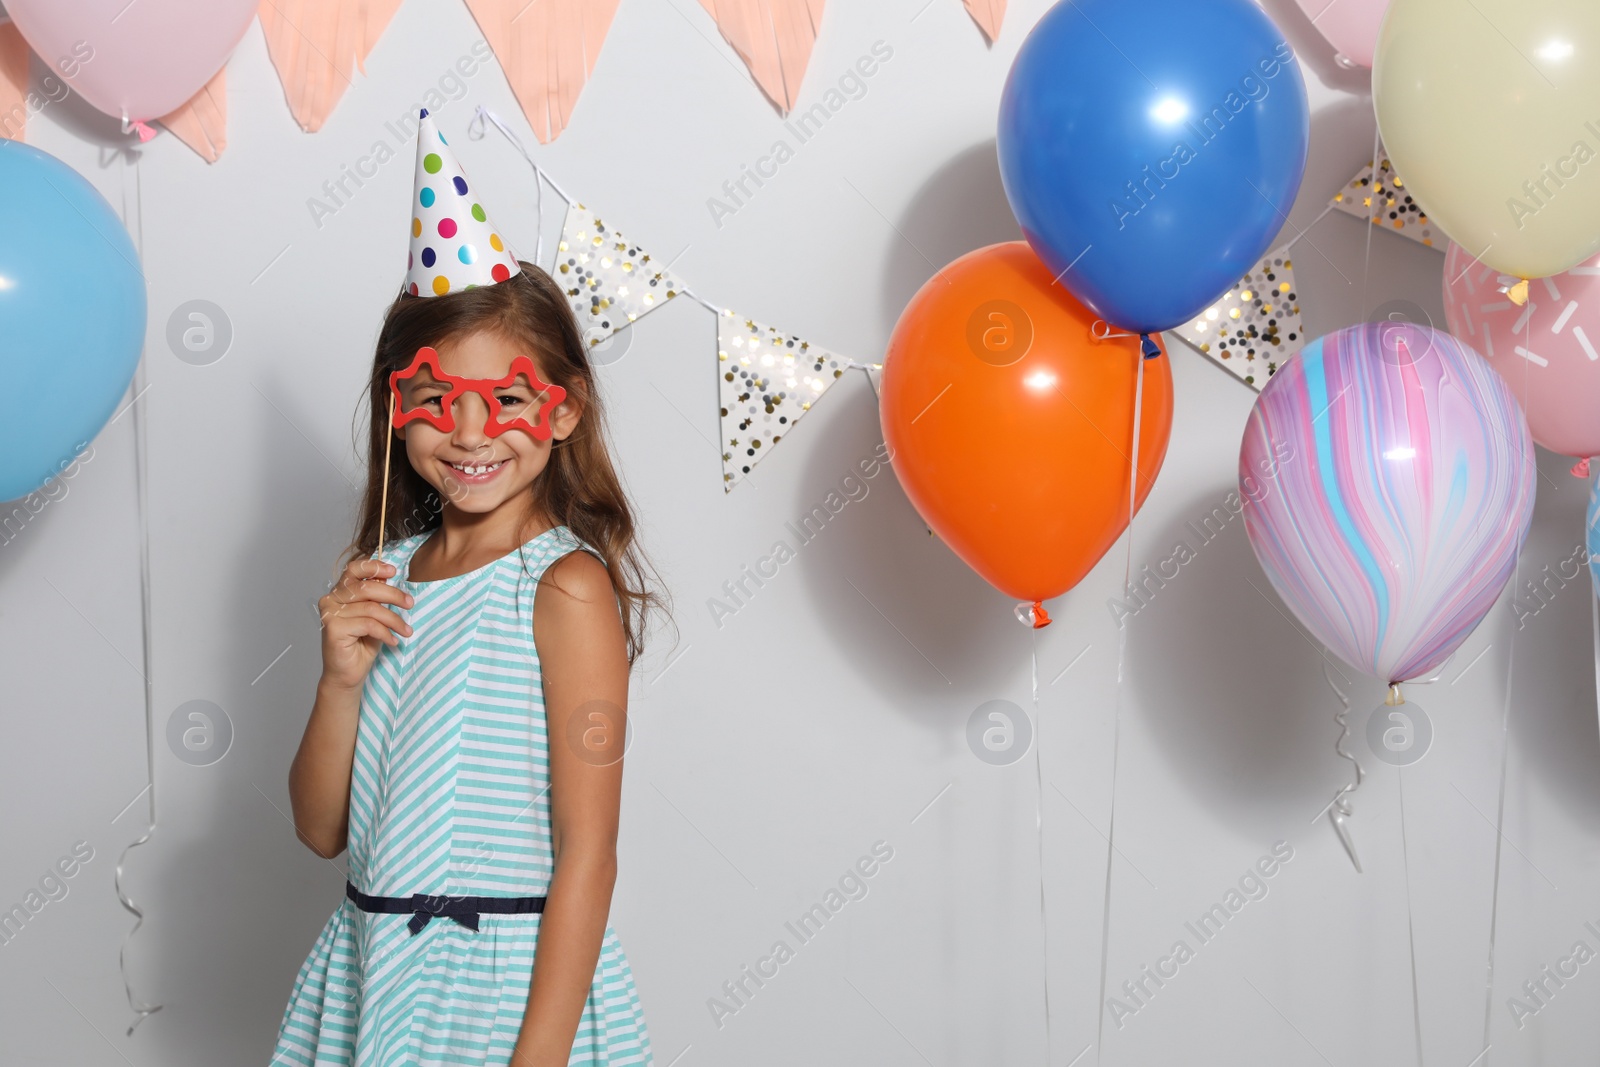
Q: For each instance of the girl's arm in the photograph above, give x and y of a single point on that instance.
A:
(354, 625)
(584, 661)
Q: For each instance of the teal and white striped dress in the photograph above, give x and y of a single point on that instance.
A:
(449, 794)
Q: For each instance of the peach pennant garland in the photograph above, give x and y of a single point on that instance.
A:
(774, 38)
(202, 123)
(316, 45)
(988, 14)
(547, 49)
(14, 55)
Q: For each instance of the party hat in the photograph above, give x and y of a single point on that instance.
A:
(454, 245)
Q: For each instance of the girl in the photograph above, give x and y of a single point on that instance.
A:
(466, 740)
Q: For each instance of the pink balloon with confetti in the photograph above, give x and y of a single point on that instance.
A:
(1388, 476)
(1547, 350)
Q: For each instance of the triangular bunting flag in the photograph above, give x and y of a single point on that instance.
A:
(768, 380)
(547, 49)
(1255, 326)
(988, 14)
(316, 45)
(14, 53)
(202, 123)
(609, 281)
(1385, 202)
(774, 38)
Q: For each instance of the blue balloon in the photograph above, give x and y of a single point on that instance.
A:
(1591, 539)
(72, 315)
(1152, 150)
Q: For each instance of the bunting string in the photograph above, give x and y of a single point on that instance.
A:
(1256, 326)
(768, 379)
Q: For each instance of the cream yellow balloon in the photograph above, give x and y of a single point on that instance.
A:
(1490, 111)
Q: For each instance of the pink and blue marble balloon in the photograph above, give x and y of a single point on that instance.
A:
(1388, 476)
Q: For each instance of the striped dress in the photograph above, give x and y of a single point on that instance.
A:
(449, 794)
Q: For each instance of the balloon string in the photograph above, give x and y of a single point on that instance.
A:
(1116, 716)
(1297, 238)
(1340, 811)
(1411, 929)
(1133, 477)
(1500, 812)
(1505, 755)
(1038, 826)
(1366, 263)
(142, 502)
(1594, 619)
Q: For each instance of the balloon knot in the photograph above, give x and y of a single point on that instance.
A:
(1580, 469)
(144, 131)
(1149, 346)
(1518, 293)
(1041, 617)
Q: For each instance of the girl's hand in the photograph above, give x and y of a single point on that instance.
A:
(354, 622)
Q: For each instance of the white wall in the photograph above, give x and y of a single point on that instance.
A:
(777, 748)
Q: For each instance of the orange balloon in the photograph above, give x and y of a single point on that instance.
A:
(1010, 424)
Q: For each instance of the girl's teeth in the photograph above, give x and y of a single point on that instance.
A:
(476, 470)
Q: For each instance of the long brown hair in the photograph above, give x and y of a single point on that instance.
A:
(578, 488)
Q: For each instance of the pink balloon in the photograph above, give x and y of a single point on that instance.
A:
(1547, 351)
(1389, 482)
(137, 60)
(1351, 26)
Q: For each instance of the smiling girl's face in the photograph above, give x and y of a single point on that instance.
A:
(477, 473)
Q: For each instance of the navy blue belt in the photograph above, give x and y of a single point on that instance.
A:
(464, 910)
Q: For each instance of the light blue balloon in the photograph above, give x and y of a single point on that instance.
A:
(1592, 538)
(72, 315)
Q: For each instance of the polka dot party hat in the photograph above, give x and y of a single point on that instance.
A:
(454, 244)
